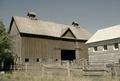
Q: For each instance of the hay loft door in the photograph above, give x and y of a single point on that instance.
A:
(68, 55)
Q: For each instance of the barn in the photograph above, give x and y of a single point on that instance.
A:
(36, 41)
(104, 46)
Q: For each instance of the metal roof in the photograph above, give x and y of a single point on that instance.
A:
(105, 34)
(39, 27)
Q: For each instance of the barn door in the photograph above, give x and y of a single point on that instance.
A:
(68, 55)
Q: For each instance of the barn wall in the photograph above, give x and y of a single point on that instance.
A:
(49, 50)
(111, 55)
(83, 50)
(16, 40)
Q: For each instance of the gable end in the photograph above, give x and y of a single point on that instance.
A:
(68, 33)
(11, 23)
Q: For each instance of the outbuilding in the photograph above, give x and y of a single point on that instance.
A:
(37, 41)
(104, 46)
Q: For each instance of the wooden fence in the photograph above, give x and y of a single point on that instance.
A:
(68, 68)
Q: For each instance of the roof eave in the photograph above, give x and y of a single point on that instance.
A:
(46, 36)
(10, 27)
(101, 40)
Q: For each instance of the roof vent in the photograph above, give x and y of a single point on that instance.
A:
(32, 15)
(75, 24)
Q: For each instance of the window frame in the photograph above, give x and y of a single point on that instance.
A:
(105, 47)
(116, 44)
(95, 48)
(27, 60)
(37, 60)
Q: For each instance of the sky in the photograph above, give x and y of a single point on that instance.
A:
(90, 14)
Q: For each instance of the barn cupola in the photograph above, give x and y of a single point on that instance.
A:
(75, 24)
(32, 15)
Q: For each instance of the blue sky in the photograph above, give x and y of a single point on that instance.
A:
(91, 14)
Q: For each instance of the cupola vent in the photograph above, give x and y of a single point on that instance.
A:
(75, 24)
(32, 15)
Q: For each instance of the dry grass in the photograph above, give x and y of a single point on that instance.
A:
(22, 76)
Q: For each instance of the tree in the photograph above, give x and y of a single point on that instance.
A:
(6, 57)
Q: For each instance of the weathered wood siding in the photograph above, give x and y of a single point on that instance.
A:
(45, 49)
(111, 55)
(49, 50)
(16, 40)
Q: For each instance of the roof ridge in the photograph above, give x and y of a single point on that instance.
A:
(47, 21)
(110, 27)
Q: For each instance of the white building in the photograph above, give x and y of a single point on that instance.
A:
(104, 46)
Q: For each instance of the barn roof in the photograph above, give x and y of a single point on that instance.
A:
(105, 34)
(39, 27)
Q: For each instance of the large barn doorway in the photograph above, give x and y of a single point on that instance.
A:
(68, 55)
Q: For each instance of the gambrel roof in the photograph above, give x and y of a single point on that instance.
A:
(39, 27)
(105, 34)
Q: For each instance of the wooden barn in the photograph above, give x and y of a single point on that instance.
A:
(38, 41)
(104, 46)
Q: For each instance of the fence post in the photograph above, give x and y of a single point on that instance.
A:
(42, 67)
(112, 71)
(13, 66)
(68, 71)
(26, 67)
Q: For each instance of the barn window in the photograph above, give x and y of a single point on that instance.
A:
(116, 46)
(56, 59)
(37, 60)
(105, 47)
(26, 59)
(95, 48)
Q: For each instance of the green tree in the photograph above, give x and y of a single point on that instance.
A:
(6, 57)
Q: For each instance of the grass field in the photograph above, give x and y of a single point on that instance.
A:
(23, 76)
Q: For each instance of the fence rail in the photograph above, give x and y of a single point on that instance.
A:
(68, 67)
